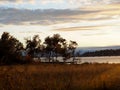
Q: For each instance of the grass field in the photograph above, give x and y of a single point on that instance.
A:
(60, 77)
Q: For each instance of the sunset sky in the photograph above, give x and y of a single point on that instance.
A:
(92, 23)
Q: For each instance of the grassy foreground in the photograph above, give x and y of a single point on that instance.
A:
(60, 77)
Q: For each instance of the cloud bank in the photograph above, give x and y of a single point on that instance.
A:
(56, 16)
(85, 18)
(38, 17)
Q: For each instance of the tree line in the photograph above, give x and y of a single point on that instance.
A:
(108, 52)
(51, 48)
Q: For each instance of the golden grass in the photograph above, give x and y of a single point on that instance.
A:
(60, 77)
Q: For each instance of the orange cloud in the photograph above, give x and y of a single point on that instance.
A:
(79, 28)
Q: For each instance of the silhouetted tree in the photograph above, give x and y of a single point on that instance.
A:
(65, 51)
(9, 48)
(72, 47)
(58, 43)
(33, 45)
(55, 46)
(49, 47)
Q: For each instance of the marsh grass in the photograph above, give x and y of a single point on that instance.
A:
(60, 77)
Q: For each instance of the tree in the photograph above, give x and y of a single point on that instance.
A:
(33, 45)
(49, 47)
(9, 47)
(65, 51)
(72, 47)
(58, 43)
(54, 46)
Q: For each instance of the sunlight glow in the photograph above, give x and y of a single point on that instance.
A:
(95, 23)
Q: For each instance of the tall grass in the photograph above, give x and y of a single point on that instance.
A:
(60, 77)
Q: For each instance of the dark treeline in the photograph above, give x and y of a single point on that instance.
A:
(108, 52)
(12, 50)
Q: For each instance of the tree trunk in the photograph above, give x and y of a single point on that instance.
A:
(49, 56)
(56, 56)
(73, 57)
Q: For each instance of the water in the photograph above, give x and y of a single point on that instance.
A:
(80, 60)
(105, 59)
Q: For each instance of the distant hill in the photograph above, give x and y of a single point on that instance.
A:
(83, 50)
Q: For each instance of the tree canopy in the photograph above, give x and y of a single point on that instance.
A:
(51, 48)
(9, 47)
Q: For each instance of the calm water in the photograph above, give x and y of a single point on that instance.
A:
(106, 59)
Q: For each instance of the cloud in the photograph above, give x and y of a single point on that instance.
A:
(97, 14)
(4, 2)
(44, 17)
(79, 28)
(31, 1)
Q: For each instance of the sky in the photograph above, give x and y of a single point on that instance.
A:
(91, 23)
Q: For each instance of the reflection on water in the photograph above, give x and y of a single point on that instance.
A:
(80, 60)
(106, 59)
